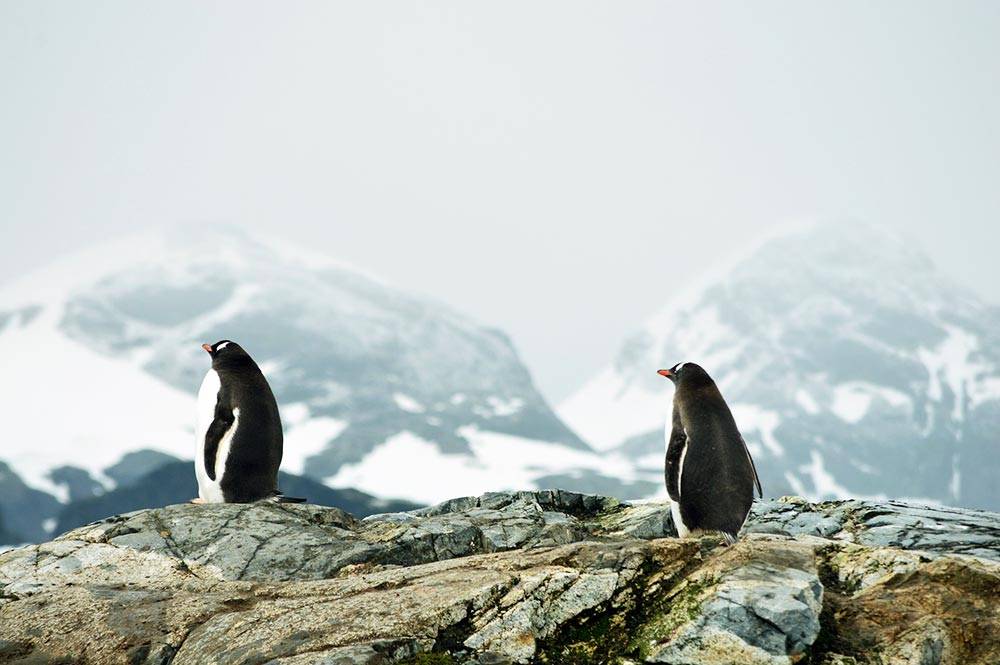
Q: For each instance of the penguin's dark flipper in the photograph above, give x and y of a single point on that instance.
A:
(753, 467)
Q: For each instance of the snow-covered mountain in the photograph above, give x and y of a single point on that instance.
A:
(852, 365)
(379, 389)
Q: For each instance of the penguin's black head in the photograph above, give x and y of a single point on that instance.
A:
(225, 351)
(684, 372)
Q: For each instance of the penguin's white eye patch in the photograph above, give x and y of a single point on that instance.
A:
(221, 346)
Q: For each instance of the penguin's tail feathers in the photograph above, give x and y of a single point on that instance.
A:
(729, 538)
(281, 498)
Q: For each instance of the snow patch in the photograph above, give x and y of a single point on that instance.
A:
(270, 368)
(825, 486)
(986, 389)
(850, 403)
(806, 401)
(853, 400)
(410, 467)
(750, 417)
(294, 414)
(305, 437)
(498, 408)
(951, 364)
(958, 368)
(59, 490)
(955, 484)
(407, 403)
(797, 487)
(502, 407)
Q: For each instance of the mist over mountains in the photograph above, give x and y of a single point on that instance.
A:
(852, 365)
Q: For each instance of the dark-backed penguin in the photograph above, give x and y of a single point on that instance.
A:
(709, 472)
(239, 431)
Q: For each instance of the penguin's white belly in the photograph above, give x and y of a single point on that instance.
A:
(675, 508)
(210, 490)
(675, 511)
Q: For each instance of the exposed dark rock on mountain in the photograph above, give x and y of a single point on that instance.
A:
(78, 484)
(552, 577)
(7, 537)
(24, 510)
(133, 466)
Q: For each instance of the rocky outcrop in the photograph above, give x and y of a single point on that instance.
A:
(548, 577)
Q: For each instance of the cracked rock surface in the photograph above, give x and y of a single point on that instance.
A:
(935, 529)
(512, 577)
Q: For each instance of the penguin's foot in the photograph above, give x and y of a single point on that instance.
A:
(281, 498)
(197, 499)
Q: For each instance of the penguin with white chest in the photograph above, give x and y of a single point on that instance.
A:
(709, 472)
(239, 431)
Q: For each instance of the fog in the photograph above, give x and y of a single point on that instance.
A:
(557, 170)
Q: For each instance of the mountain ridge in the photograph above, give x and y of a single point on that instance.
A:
(835, 346)
(105, 359)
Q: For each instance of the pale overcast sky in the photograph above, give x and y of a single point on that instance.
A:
(556, 169)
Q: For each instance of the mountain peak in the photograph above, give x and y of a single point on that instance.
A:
(845, 356)
(104, 347)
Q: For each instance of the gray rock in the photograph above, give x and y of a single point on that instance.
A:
(766, 608)
(935, 529)
(512, 577)
(280, 542)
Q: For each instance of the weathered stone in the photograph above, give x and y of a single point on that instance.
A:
(761, 599)
(934, 529)
(516, 577)
(940, 610)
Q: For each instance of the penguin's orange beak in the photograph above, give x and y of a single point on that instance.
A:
(207, 347)
(665, 372)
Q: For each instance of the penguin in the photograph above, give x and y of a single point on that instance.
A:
(709, 473)
(239, 435)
